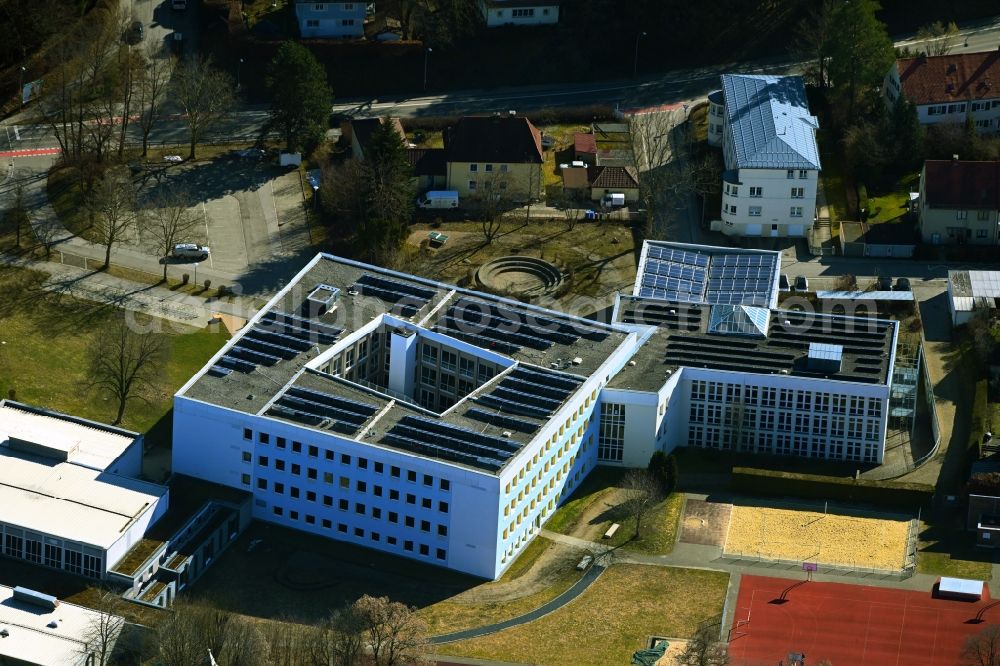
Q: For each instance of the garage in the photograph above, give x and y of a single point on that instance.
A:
(753, 230)
(796, 230)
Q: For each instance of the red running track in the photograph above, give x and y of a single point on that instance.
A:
(849, 625)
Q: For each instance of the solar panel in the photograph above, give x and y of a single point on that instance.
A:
(433, 425)
(301, 322)
(253, 356)
(234, 363)
(362, 408)
(299, 343)
(502, 421)
(256, 344)
(477, 316)
(514, 395)
(396, 286)
(295, 415)
(321, 410)
(409, 444)
(479, 340)
(568, 382)
(219, 371)
(512, 407)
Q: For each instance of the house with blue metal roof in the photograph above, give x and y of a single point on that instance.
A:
(772, 165)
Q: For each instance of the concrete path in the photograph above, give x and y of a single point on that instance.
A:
(569, 595)
(154, 301)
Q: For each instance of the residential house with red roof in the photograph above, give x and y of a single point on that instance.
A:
(960, 202)
(950, 88)
(494, 153)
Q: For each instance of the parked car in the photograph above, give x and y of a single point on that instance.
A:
(134, 33)
(547, 142)
(190, 251)
(902, 284)
(613, 200)
(783, 283)
(801, 283)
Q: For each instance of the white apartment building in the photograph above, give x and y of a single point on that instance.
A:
(950, 88)
(446, 425)
(519, 12)
(68, 499)
(772, 165)
(331, 19)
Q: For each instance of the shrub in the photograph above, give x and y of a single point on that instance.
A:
(862, 197)
(208, 283)
(814, 486)
(664, 470)
(185, 278)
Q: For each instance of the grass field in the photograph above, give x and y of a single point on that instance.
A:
(47, 338)
(892, 206)
(947, 551)
(496, 601)
(609, 621)
(817, 537)
(592, 508)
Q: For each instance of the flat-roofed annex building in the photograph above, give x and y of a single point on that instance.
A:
(446, 425)
(39, 635)
(724, 368)
(67, 499)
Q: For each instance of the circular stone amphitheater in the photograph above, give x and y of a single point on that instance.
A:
(519, 276)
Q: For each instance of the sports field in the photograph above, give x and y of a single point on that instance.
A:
(848, 624)
(783, 534)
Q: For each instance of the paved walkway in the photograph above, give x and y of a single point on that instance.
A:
(593, 573)
(134, 296)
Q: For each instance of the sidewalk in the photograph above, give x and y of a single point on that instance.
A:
(151, 300)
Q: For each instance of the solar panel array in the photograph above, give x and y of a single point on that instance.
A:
(279, 336)
(674, 275)
(683, 276)
(318, 408)
(436, 439)
(531, 392)
(507, 330)
(741, 279)
(408, 298)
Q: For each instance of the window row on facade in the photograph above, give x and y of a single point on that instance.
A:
(785, 398)
(52, 552)
(343, 530)
(730, 439)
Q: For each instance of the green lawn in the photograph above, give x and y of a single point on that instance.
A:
(47, 338)
(942, 564)
(832, 176)
(892, 206)
(611, 620)
(659, 526)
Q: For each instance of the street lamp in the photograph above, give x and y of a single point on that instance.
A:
(238, 65)
(20, 86)
(635, 62)
(426, 53)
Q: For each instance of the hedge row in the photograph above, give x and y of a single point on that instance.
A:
(886, 493)
(977, 424)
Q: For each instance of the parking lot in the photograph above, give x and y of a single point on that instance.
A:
(251, 211)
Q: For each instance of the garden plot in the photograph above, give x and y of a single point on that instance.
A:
(810, 536)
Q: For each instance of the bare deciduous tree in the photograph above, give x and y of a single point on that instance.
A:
(101, 633)
(205, 94)
(812, 41)
(393, 631)
(937, 38)
(493, 198)
(16, 215)
(189, 632)
(123, 361)
(169, 220)
(641, 491)
(983, 649)
(113, 204)
(705, 648)
(153, 79)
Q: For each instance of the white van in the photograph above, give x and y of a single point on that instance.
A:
(613, 200)
(191, 251)
(438, 199)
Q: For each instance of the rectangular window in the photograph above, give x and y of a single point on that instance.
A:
(756, 192)
(394, 471)
(798, 192)
(443, 507)
(296, 447)
(379, 468)
(263, 437)
(247, 433)
(755, 211)
(279, 488)
(346, 22)
(980, 233)
(441, 555)
(796, 211)
(961, 214)
(611, 443)
(296, 469)
(262, 461)
(803, 173)
(473, 168)
(313, 451)
(983, 215)
(790, 174)
(472, 185)
(393, 517)
(408, 521)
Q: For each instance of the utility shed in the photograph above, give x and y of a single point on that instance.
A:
(960, 588)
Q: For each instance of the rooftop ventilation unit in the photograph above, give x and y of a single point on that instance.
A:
(825, 358)
(34, 598)
(322, 299)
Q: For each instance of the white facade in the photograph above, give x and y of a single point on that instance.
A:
(331, 19)
(769, 202)
(501, 13)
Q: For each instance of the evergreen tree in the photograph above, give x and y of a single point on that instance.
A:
(300, 96)
(907, 134)
(860, 54)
